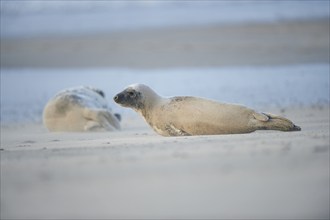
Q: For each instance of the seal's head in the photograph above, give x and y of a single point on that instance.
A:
(136, 96)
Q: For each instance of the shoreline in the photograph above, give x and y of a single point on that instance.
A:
(282, 43)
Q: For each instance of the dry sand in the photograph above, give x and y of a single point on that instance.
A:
(207, 46)
(136, 173)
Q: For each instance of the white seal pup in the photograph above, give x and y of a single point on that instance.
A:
(185, 115)
(79, 109)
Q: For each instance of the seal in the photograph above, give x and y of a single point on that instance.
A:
(187, 115)
(80, 109)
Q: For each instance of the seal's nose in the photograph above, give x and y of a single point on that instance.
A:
(116, 98)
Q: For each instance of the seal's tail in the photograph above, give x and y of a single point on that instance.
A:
(276, 122)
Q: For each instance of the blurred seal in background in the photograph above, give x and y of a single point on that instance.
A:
(80, 109)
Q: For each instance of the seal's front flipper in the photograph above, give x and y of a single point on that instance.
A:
(101, 118)
(260, 116)
(93, 126)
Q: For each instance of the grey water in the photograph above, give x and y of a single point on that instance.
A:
(24, 92)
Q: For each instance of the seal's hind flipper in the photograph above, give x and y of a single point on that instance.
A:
(276, 122)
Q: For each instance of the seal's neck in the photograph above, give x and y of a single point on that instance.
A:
(152, 102)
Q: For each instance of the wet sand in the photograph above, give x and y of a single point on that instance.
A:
(207, 46)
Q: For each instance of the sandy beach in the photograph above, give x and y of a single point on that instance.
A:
(135, 173)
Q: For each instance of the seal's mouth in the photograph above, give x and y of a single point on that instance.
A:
(122, 99)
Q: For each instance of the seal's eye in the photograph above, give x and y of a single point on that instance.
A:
(131, 94)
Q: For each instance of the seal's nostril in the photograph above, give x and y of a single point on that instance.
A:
(115, 98)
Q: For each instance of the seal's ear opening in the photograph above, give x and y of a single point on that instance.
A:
(118, 116)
